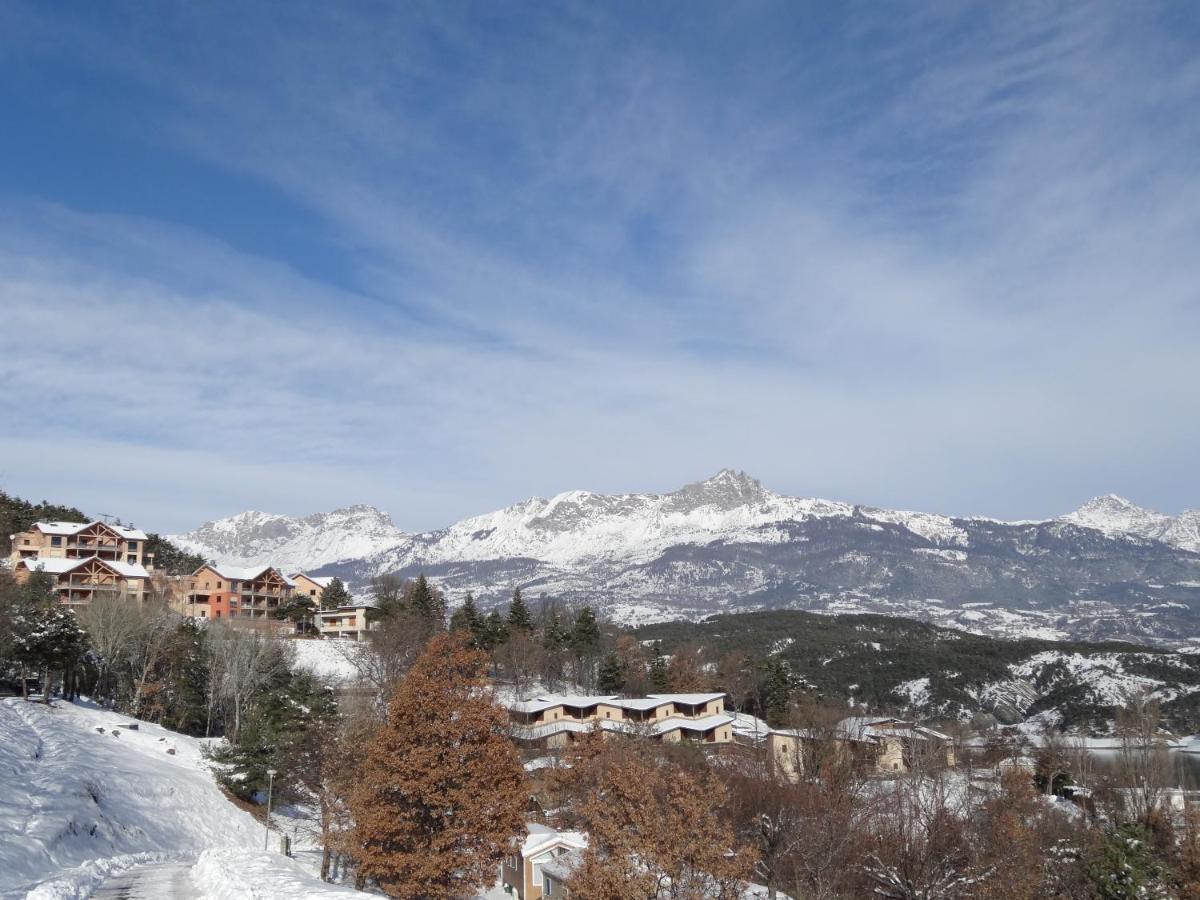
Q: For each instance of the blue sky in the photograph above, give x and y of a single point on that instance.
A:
(442, 257)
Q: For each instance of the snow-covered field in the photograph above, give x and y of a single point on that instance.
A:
(330, 659)
(78, 804)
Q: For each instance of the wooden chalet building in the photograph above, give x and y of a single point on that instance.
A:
(241, 593)
(84, 559)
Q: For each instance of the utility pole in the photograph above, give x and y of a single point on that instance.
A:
(270, 785)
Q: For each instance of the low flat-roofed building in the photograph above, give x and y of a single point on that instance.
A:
(344, 622)
(554, 720)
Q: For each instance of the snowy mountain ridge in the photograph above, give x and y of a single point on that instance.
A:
(294, 544)
(1109, 569)
(581, 527)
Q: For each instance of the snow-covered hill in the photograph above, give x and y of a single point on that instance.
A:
(729, 543)
(82, 797)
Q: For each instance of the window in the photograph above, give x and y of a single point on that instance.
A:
(313, 592)
(132, 545)
(131, 559)
(26, 542)
(55, 541)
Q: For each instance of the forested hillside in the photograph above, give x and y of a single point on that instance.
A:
(893, 664)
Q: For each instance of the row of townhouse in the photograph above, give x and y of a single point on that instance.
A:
(92, 559)
(555, 720)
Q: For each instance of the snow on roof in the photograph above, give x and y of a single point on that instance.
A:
(543, 837)
(688, 699)
(237, 573)
(131, 534)
(641, 703)
(59, 566)
(704, 723)
(549, 701)
(564, 865)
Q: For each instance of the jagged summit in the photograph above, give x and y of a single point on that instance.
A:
(727, 489)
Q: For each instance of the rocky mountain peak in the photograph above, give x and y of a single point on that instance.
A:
(726, 490)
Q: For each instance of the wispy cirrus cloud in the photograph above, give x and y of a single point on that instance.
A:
(938, 261)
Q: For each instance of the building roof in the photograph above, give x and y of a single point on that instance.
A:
(542, 837)
(59, 566)
(704, 723)
(237, 573)
(562, 867)
(322, 581)
(688, 699)
(549, 701)
(641, 703)
(130, 534)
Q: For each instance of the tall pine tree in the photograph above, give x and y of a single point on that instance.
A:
(518, 613)
(426, 604)
(612, 675)
(466, 619)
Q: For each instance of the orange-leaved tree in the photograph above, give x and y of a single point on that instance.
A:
(441, 791)
(655, 828)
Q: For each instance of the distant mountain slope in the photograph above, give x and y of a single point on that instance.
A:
(1109, 569)
(887, 663)
(305, 544)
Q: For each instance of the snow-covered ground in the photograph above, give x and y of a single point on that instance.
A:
(331, 659)
(78, 804)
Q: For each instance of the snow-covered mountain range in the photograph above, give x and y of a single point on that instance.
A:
(728, 543)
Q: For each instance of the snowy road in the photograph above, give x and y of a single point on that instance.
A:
(156, 881)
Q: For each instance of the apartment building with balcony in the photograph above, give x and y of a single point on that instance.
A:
(240, 593)
(84, 559)
(555, 720)
(79, 581)
(79, 540)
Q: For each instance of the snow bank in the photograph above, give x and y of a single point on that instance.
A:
(80, 882)
(258, 875)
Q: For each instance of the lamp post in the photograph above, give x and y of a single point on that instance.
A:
(270, 785)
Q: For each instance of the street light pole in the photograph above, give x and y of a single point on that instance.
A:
(270, 785)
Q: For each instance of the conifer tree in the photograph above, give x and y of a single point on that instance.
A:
(495, 630)
(466, 619)
(518, 613)
(46, 637)
(441, 791)
(612, 675)
(660, 678)
(426, 604)
(585, 636)
(335, 595)
(554, 636)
